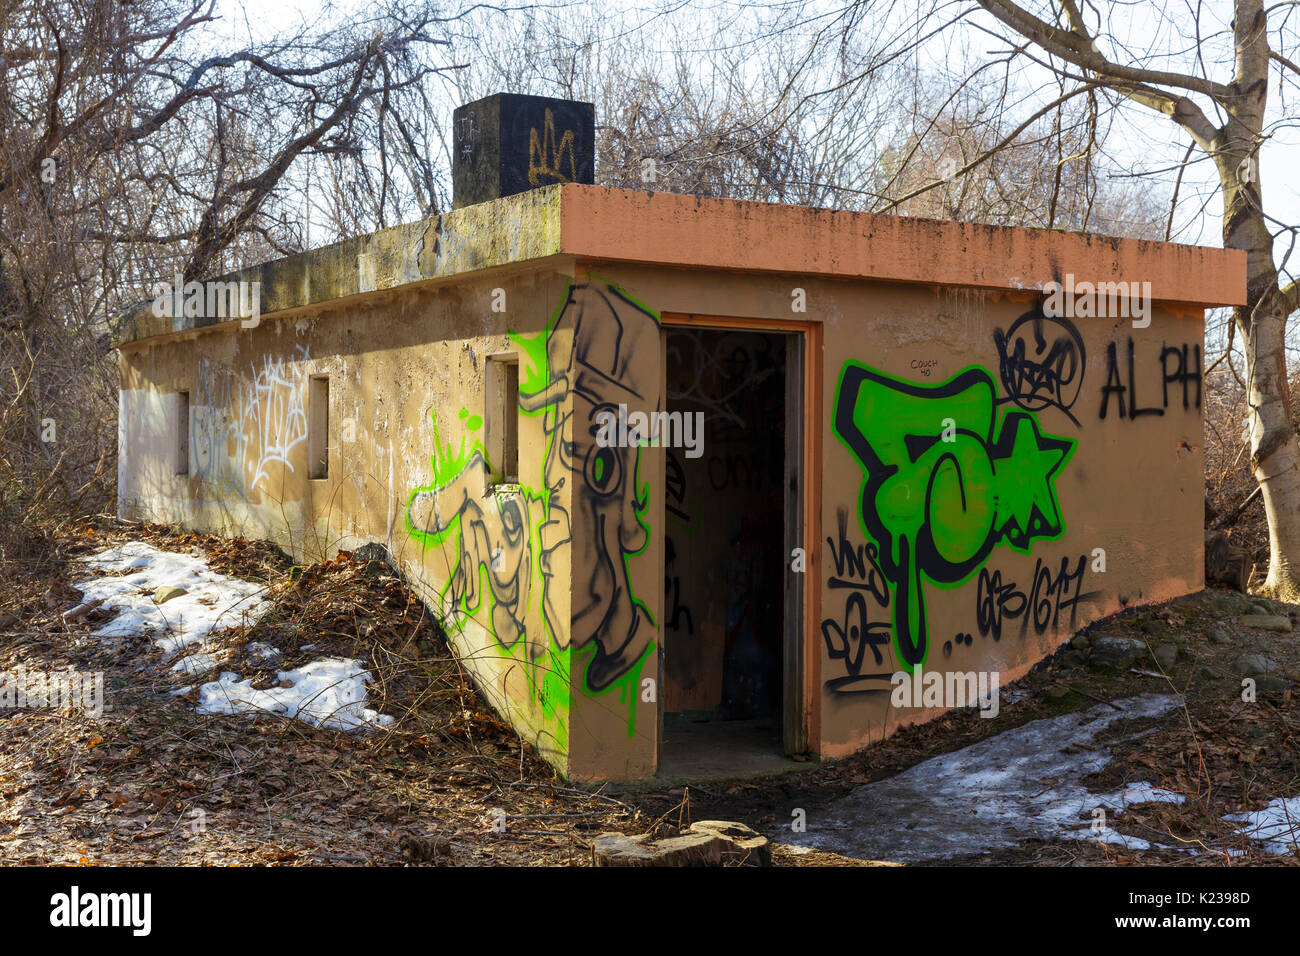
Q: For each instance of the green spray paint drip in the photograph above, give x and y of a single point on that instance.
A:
(627, 686)
(631, 686)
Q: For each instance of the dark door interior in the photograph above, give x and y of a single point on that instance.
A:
(725, 501)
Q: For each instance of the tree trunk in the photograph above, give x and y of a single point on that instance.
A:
(1275, 454)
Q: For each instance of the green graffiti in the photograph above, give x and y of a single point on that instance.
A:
(534, 367)
(946, 481)
(628, 685)
(445, 466)
(510, 548)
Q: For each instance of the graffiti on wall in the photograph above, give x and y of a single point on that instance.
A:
(245, 424)
(491, 539)
(1179, 366)
(507, 554)
(949, 474)
(947, 479)
(864, 625)
(546, 154)
(1041, 604)
(1041, 361)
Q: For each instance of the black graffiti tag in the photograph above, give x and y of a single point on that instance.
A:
(1041, 363)
(848, 639)
(1049, 596)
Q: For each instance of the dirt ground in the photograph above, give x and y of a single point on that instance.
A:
(153, 782)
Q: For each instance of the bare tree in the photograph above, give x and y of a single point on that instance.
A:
(141, 142)
(1216, 95)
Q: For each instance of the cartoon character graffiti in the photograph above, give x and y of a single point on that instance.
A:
(595, 357)
(580, 366)
(496, 548)
(945, 482)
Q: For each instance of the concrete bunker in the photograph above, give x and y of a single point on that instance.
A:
(910, 461)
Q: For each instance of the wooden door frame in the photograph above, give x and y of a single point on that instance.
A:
(801, 658)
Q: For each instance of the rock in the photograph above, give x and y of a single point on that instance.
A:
(1258, 609)
(1073, 659)
(705, 843)
(1166, 656)
(1080, 642)
(165, 593)
(1217, 635)
(1056, 692)
(1115, 653)
(1250, 664)
(1272, 684)
(1267, 622)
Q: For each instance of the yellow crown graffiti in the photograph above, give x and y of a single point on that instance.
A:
(545, 158)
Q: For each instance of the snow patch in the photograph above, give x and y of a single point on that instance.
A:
(1021, 784)
(328, 693)
(211, 600)
(1277, 826)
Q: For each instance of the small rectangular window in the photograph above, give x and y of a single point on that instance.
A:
(318, 427)
(503, 417)
(181, 429)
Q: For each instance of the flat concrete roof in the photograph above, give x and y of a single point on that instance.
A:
(598, 224)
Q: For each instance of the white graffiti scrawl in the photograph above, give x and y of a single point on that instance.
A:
(263, 415)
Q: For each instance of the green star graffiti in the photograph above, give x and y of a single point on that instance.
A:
(946, 481)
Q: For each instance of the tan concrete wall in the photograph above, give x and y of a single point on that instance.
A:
(407, 465)
(1030, 446)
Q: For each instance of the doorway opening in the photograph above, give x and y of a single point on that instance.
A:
(729, 619)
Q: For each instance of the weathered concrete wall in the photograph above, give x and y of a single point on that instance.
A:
(407, 464)
(983, 553)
